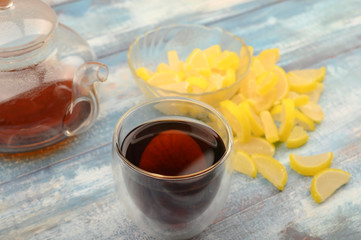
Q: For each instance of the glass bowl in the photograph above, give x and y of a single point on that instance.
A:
(150, 49)
(172, 206)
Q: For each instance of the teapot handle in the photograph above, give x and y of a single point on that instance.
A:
(84, 93)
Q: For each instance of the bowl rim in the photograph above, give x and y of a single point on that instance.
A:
(175, 93)
(228, 149)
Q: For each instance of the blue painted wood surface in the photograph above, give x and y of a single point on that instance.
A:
(66, 191)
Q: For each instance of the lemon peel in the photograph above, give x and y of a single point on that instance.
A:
(326, 182)
(310, 165)
(243, 163)
(271, 169)
(255, 145)
(297, 138)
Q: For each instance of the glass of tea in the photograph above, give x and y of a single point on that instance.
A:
(172, 165)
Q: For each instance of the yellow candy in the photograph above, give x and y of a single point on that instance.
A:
(270, 128)
(144, 73)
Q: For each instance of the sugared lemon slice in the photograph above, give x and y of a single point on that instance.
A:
(282, 85)
(271, 169)
(326, 182)
(301, 84)
(243, 163)
(313, 111)
(266, 82)
(304, 121)
(297, 138)
(315, 74)
(163, 78)
(173, 60)
(310, 165)
(255, 145)
(237, 119)
(314, 95)
(270, 128)
(287, 118)
(299, 99)
(254, 120)
(144, 73)
(198, 60)
(269, 57)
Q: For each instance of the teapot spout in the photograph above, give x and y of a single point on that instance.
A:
(84, 96)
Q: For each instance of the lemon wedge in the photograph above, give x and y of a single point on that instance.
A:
(271, 169)
(269, 57)
(255, 145)
(297, 138)
(270, 128)
(254, 120)
(310, 165)
(313, 111)
(237, 119)
(282, 84)
(287, 118)
(315, 74)
(326, 182)
(243, 163)
(304, 121)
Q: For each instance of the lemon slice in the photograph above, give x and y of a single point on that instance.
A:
(282, 84)
(315, 74)
(313, 111)
(244, 164)
(270, 128)
(265, 82)
(310, 165)
(304, 121)
(315, 95)
(254, 120)
(163, 78)
(269, 57)
(271, 169)
(255, 145)
(301, 84)
(299, 99)
(297, 138)
(144, 73)
(326, 182)
(237, 119)
(287, 118)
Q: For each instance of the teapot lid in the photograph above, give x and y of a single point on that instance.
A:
(24, 26)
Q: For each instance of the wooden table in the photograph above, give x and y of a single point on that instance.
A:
(67, 192)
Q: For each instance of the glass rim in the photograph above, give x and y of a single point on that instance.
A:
(203, 172)
(149, 86)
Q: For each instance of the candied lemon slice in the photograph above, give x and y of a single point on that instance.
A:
(255, 145)
(257, 66)
(326, 182)
(253, 118)
(316, 74)
(198, 81)
(238, 98)
(237, 119)
(310, 165)
(315, 95)
(197, 60)
(182, 87)
(163, 67)
(297, 138)
(270, 128)
(226, 60)
(263, 102)
(229, 78)
(313, 111)
(271, 169)
(266, 82)
(243, 163)
(304, 121)
(144, 73)
(301, 84)
(276, 112)
(163, 78)
(212, 52)
(269, 57)
(287, 118)
(282, 84)
(173, 60)
(299, 99)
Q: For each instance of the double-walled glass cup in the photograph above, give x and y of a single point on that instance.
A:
(172, 207)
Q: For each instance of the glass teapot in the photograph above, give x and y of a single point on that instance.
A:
(47, 78)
